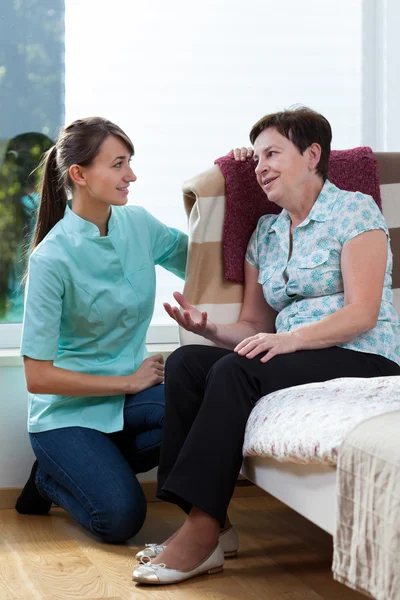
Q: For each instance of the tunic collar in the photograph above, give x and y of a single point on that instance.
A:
(75, 224)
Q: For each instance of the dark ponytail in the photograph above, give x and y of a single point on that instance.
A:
(53, 197)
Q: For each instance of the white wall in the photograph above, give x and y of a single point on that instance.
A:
(381, 80)
(16, 455)
(392, 76)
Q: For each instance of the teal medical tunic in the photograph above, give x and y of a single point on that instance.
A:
(88, 305)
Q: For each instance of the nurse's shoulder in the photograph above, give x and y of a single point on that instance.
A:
(51, 247)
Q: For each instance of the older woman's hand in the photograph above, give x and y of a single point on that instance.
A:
(190, 318)
(271, 343)
(242, 153)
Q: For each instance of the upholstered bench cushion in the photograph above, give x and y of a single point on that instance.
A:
(307, 424)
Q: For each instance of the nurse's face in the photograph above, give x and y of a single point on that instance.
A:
(108, 178)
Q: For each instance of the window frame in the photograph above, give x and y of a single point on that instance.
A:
(10, 335)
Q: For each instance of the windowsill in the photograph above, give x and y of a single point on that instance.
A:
(9, 357)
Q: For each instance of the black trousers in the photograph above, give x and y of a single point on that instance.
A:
(210, 393)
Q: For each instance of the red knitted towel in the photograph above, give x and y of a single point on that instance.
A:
(353, 170)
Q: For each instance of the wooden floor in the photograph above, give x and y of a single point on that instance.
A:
(282, 557)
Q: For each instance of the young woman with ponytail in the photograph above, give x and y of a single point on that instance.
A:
(96, 403)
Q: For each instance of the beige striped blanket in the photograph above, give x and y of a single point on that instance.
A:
(367, 541)
(204, 200)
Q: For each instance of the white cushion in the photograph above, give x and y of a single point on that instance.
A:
(307, 423)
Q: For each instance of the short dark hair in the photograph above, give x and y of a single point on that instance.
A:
(303, 127)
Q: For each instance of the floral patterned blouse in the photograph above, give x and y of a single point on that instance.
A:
(309, 286)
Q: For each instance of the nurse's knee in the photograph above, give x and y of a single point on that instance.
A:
(121, 520)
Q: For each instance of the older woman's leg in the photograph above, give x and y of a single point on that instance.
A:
(209, 396)
(186, 373)
(200, 405)
(208, 400)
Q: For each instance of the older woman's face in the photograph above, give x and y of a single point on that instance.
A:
(281, 169)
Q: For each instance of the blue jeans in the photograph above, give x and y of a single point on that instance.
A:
(92, 475)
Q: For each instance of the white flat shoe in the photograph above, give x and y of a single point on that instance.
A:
(149, 552)
(160, 574)
(229, 542)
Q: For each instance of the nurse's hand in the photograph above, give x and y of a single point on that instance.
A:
(150, 372)
(190, 318)
(242, 154)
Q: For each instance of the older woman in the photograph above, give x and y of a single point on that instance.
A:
(317, 306)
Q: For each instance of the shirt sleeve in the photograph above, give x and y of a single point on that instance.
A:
(169, 246)
(251, 252)
(359, 213)
(43, 308)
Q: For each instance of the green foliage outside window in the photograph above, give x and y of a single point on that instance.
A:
(32, 110)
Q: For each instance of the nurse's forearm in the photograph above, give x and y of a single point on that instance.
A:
(42, 377)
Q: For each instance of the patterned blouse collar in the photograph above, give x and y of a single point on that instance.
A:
(321, 210)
